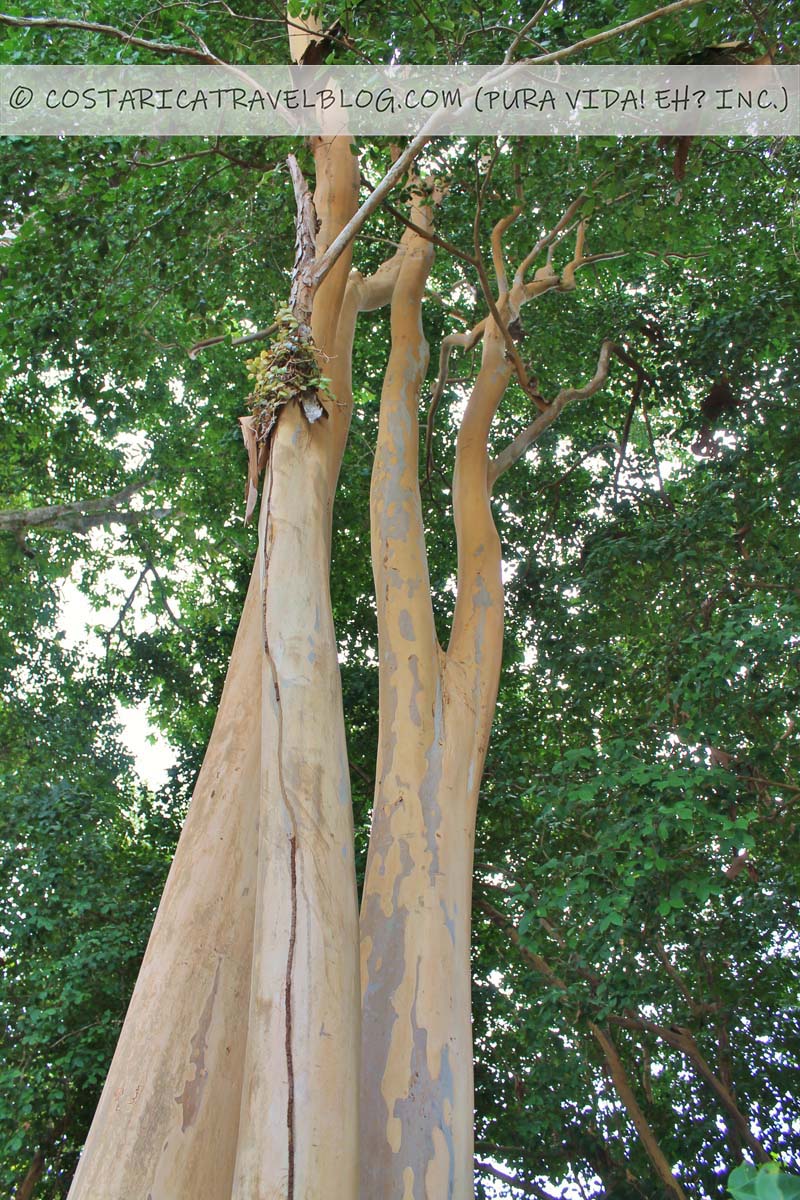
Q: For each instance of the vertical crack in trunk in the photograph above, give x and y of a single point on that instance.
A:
(267, 551)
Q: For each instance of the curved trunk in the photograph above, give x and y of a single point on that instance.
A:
(167, 1121)
(417, 1089)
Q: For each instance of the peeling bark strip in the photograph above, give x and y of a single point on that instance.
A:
(302, 1034)
(302, 291)
(287, 991)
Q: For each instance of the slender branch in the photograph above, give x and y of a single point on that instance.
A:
(682, 1039)
(606, 34)
(549, 238)
(504, 923)
(525, 30)
(216, 149)
(467, 341)
(677, 978)
(430, 236)
(530, 1189)
(641, 378)
(164, 596)
(514, 450)
(623, 445)
(129, 599)
(619, 1078)
(198, 55)
(79, 516)
(244, 340)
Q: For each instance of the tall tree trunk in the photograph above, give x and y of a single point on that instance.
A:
(167, 1121)
(203, 1097)
(303, 1029)
(435, 713)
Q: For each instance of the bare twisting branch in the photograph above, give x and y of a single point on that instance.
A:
(79, 516)
(514, 450)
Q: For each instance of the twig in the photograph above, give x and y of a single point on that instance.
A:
(606, 34)
(237, 341)
(530, 1189)
(203, 56)
(526, 28)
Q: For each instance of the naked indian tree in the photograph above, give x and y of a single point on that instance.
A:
(246, 1056)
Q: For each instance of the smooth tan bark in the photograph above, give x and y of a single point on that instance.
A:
(166, 1125)
(435, 713)
(303, 1025)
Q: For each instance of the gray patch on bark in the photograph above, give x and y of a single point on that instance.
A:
(482, 598)
(388, 724)
(431, 784)
(413, 709)
(423, 1109)
(379, 1016)
(192, 1094)
(450, 922)
(406, 625)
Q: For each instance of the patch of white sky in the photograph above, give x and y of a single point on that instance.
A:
(82, 624)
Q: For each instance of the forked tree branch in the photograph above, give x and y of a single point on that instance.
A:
(525, 30)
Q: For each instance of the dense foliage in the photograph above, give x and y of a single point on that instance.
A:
(636, 873)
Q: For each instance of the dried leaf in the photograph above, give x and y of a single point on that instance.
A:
(249, 435)
(252, 497)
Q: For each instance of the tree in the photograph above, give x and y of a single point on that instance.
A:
(279, 925)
